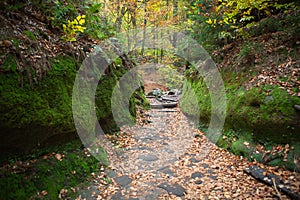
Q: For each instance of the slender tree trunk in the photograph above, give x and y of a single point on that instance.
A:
(121, 14)
(133, 14)
(144, 28)
(161, 50)
(175, 15)
(119, 19)
(155, 39)
(134, 19)
(167, 17)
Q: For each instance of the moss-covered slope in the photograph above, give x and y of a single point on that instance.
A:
(41, 115)
(261, 77)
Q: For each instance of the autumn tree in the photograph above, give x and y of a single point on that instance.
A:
(223, 19)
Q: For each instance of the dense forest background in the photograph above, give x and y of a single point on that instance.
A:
(255, 45)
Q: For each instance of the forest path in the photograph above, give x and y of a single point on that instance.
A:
(167, 158)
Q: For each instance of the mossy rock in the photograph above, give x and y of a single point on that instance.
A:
(48, 173)
(239, 148)
(267, 111)
(41, 114)
(31, 115)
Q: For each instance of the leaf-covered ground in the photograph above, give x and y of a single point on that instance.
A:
(165, 157)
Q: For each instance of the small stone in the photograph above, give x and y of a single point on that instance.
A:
(123, 180)
(146, 139)
(111, 174)
(197, 175)
(213, 177)
(191, 165)
(198, 136)
(148, 157)
(174, 189)
(204, 165)
(169, 151)
(117, 196)
(167, 170)
(194, 160)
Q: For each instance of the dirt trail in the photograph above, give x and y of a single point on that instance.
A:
(167, 158)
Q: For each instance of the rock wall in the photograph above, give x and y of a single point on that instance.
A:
(41, 115)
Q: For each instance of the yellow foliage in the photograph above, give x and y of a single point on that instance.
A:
(209, 21)
(238, 13)
(73, 27)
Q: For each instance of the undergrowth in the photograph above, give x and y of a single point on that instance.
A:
(44, 174)
(243, 144)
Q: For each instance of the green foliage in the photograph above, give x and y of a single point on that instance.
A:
(172, 78)
(46, 108)
(50, 103)
(23, 106)
(207, 34)
(10, 64)
(61, 12)
(249, 52)
(226, 140)
(266, 111)
(279, 101)
(287, 23)
(97, 25)
(240, 13)
(195, 99)
(104, 100)
(238, 147)
(64, 14)
(11, 184)
(246, 52)
(30, 35)
(219, 22)
(233, 140)
(48, 173)
(241, 143)
(261, 112)
(14, 6)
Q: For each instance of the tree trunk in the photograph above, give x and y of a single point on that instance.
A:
(175, 15)
(144, 28)
(121, 12)
(270, 180)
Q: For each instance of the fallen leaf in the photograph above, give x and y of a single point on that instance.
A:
(246, 143)
(58, 157)
(44, 193)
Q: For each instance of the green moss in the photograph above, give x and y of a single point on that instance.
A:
(9, 64)
(47, 104)
(279, 101)
(267, 111)
(41, 114)
(239, 148)
(48, 173)
(30, 35)
(195, 100)
(127, 112)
